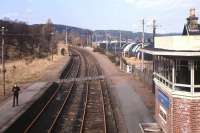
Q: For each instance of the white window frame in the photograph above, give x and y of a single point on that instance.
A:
(164, 112)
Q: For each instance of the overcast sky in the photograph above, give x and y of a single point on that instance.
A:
(103, 14)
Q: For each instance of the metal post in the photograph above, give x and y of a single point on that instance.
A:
(173, 74)
(115, 49)
(142, 44)
(92, 36)
(52, 43)
(106, 42)
(87, 38)
(3, 62)
(66, 35)
(95, 37)
(52, 52)
(90, 39)
(191, 67)
(120, 38)
(154, 30)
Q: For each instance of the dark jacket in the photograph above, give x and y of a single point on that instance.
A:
(16, 90)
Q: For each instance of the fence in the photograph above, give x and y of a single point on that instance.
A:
(145, 76)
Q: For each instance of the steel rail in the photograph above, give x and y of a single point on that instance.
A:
(84, 113)
(86, 103)
(43, 109)
(86, 97)
(102, 98)
(60, 113)
(71, 68)
(50, 100)
(65, 101)
(61, 109)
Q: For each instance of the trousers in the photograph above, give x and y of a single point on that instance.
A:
(15, 100)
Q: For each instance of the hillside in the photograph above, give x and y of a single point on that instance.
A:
(125, 35)
(23, 40)
(100, 35)
(70, 29)
(115, 35)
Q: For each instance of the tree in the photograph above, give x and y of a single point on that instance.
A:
(48, 32)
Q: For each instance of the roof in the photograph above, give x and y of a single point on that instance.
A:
(178, 43)
(127, 48)
(135, 48)
(156, 51)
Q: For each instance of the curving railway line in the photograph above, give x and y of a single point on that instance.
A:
(94, 113)
(77, 107)
(46, 117)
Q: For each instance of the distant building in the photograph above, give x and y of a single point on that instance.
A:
(177, 80)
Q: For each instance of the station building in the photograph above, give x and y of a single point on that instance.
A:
(177, 79)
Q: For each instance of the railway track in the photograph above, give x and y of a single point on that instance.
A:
(70, 119)
(94, 114)
(77, 107)
(85, 111)
(110, 124)
(46, 117)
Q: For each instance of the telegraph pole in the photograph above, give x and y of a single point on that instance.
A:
(3, 62)
(92, 36)
(154, 30)
(106, 42)
(154, 26)
(143, 44)
(154, 34)
(115, 48)
(66, 35)
(52, 43)
(87, 38)
(95, 37)
(120, 38)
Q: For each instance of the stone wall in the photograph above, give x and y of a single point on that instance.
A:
(61, 46)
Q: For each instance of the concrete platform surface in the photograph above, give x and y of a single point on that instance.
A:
(27, 97)
(128, 101)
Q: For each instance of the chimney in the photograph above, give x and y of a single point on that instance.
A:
(192, 25)
(192, 12)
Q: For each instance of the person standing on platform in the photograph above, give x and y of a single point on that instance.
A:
(15, 91)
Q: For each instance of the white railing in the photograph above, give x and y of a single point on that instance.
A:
(187, 88)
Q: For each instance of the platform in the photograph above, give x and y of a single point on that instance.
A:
(27, 97)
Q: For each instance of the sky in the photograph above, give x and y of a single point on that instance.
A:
(170, 15)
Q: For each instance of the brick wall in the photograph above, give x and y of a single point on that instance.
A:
(183, 115)
(166, 125)
(186, 114)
